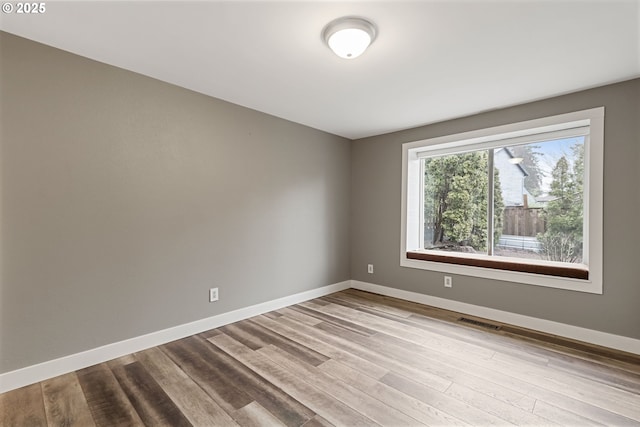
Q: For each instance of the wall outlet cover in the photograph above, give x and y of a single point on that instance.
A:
(213, 294)
(448, 282)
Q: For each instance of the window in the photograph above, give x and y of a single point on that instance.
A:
(521, 202)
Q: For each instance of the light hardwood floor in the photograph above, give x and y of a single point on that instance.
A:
(353, 359)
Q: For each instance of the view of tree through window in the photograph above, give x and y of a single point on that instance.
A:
(537, 201)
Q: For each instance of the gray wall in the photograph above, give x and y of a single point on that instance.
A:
(375, 217)
(124, 199)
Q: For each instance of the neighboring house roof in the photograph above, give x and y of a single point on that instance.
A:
(512, 179)
(519, 165)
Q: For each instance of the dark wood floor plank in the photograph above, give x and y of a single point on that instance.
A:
(297, 350)
(235, 331)
(264, 337)
(199, 408)
(349, 326)
(152, 404)
(210, 333)
(124, 360)
(395, 316)
(64, 402)
(23, 407)
(321, 403)
(272, 314)
(107, 402)
(272, 398)
(352, 358)
(364, 305)
(375, 409)
(208, 376)
(375, 322)
(300, 317)
(340, 338)
(333, 351)
(318, 301)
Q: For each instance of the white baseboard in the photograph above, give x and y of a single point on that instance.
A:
(604, 339)
(43, 371)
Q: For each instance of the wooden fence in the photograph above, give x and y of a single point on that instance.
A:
(521, 221)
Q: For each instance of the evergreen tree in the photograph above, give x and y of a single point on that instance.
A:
(498, 207)
(562, 240)
(456, 195)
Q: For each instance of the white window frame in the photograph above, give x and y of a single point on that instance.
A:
(526, 131)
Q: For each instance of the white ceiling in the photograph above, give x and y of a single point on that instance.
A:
(432, 60)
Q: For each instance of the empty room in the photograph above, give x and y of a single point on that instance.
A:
(314, 213)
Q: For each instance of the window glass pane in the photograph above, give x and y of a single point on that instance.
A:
(455, 202)
(541, 188)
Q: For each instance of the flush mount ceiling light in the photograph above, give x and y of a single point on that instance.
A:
(349, 36)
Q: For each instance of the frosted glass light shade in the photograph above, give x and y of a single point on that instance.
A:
(349, 43)
(349, 37)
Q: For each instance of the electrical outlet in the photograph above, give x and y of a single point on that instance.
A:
(213, 294)
(370, 268)
(448, 282)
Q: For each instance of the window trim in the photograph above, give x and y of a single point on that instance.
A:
(492, 137)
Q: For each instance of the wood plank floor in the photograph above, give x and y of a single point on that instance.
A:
(351, 358)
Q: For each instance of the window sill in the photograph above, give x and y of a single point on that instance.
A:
(547, 269)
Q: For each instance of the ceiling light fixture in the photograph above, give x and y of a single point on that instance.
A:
(349, 36)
